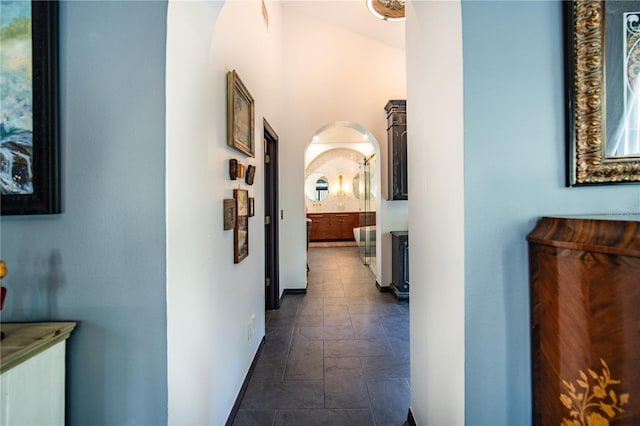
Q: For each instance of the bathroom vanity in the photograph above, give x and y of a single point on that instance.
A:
(336, 226)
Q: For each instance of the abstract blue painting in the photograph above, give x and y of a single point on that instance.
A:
(29, 121)
(16, 98)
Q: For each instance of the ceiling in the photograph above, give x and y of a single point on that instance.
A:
(351, 15)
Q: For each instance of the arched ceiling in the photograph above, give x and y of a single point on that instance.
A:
(351, 15)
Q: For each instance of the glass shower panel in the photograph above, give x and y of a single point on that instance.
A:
(367, 234)
(363, 210)
(371, 193)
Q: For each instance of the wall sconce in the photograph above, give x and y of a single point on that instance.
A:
(340, 192)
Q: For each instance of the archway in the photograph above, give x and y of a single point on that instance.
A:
(345, 149)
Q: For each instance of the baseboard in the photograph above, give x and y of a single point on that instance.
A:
(245, 384)
(294, 291)
(410, 419)
(287, 291)
(381, 288)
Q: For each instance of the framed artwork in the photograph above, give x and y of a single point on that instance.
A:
(240, 116)
(603, 91)
(250, 175)
(241, 239)
(233, 169)
(242, 201)
(241, 230)
(29, 151)
(229, 214)
(252, 207)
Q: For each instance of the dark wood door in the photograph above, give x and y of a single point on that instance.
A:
(271, 258)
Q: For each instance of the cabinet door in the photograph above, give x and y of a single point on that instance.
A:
(397, 188)
(342, 225)
(338, 224)
(398, 162)
(33, 392)
(350, 223)
(404, 247)
(319, 227)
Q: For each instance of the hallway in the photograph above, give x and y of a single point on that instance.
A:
(338, 355)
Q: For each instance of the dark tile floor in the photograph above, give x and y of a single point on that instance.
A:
(338, 355)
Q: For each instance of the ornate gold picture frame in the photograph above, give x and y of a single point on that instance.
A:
(596, 90)
(240, 116)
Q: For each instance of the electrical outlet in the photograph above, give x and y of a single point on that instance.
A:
(251, 326)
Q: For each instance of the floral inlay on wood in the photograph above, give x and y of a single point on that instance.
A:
(593, 402)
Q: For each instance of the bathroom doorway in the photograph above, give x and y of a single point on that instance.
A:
(341, 189)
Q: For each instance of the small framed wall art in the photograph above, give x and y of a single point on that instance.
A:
(229, 214)
(240, 116)
(250, 175)
(233, 169)
(241, 230)
(241, 239)
(242, 201)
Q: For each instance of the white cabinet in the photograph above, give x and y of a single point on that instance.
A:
(32, 373)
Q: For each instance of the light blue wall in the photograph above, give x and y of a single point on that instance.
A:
(514, 173)
(102, 261)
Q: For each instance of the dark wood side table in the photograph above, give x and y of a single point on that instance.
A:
(585, 320)
(400, 264)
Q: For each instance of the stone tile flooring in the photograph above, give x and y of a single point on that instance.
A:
(338, 355)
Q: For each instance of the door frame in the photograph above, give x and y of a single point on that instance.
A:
(271, 209)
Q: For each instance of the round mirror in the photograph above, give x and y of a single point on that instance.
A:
(316, 187)
(322, 189)
(356, 185)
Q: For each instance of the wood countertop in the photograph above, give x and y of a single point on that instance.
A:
(25, 340)
(603, 234)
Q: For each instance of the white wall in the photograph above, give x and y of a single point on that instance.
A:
(314, 76)
(436, 211)
(333, 165)
(332, 75)
(515, 163)
(101, 262)
(209, 299)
